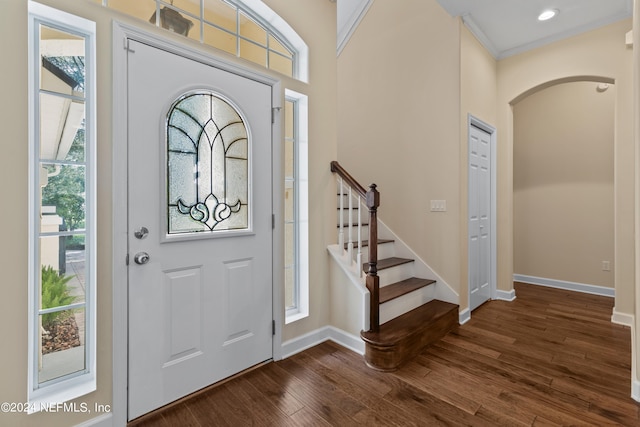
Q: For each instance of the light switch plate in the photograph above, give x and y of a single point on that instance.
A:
(438, 205)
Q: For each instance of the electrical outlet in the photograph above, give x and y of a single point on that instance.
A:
(606, 266)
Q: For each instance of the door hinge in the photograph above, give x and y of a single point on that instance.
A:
(273, 113)
(273, 327)
(273, 221)
(126, 259)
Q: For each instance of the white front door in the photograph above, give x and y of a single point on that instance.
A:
(479, 216)
(199, 220)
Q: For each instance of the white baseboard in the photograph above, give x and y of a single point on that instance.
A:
(569, 286)
(635, 390)
(506, 295)
(623, 319)
(104, 420)
(303, 342)
(464, 316)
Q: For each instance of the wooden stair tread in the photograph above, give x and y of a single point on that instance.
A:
(396, 329)
(365, 243)
(405, 337)
(387, 263)
(395, 290)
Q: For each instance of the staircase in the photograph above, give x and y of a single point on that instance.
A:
(405, 314)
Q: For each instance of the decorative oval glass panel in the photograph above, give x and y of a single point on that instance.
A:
(207, 166)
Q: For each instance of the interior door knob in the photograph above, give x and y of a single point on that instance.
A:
(141, 258)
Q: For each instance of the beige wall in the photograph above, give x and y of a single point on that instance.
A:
(13, 251)
(563, 183)
(391, 114)
(315, 23)
(409, 112)
(478, 80)
(601, 53)
(635, 329)
(398, 123)
(478, 97)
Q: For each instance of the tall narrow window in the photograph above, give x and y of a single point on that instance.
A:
(296, 215)
(62, 216)
(290, 211)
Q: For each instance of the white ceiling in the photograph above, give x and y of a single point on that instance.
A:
(508, 27)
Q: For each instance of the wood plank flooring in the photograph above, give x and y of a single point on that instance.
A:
(549, 358)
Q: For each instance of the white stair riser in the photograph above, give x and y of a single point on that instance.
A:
(401, 305)
(385, 250)
(395, 274)
(397, 306)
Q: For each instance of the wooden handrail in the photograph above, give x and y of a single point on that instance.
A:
(372, 199)
(342, 173)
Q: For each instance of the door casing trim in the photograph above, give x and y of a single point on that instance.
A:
(493, 269)
(120, 34)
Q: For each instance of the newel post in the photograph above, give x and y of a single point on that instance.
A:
(373, 281)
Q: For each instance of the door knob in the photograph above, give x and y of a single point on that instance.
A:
(141, 258)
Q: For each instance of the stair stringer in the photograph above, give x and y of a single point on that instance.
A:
(348, 295)
(443, 291)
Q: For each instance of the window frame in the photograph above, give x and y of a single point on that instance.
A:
(76, 384)
(263, 16)
(169, 236)
(300, 308)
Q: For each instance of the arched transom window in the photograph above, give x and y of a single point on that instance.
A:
(246, 28)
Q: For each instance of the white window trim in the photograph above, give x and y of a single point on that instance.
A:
(72, 385)
(276, 24)
(301, 161)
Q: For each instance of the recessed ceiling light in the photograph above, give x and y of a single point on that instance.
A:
(547, 14)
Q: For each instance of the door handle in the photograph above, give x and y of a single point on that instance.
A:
(141, 258)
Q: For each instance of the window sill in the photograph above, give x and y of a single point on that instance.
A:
(295, 316)
(56, 397)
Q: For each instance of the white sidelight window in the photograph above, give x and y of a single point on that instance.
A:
(296, 204)
(62, 267)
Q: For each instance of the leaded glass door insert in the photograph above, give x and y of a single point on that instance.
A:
(207, 166)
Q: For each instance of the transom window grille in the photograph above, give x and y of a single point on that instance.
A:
(62, 257)
(207, 165)
(245, 28)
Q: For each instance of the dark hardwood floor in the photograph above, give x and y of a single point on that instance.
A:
(549, 358)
